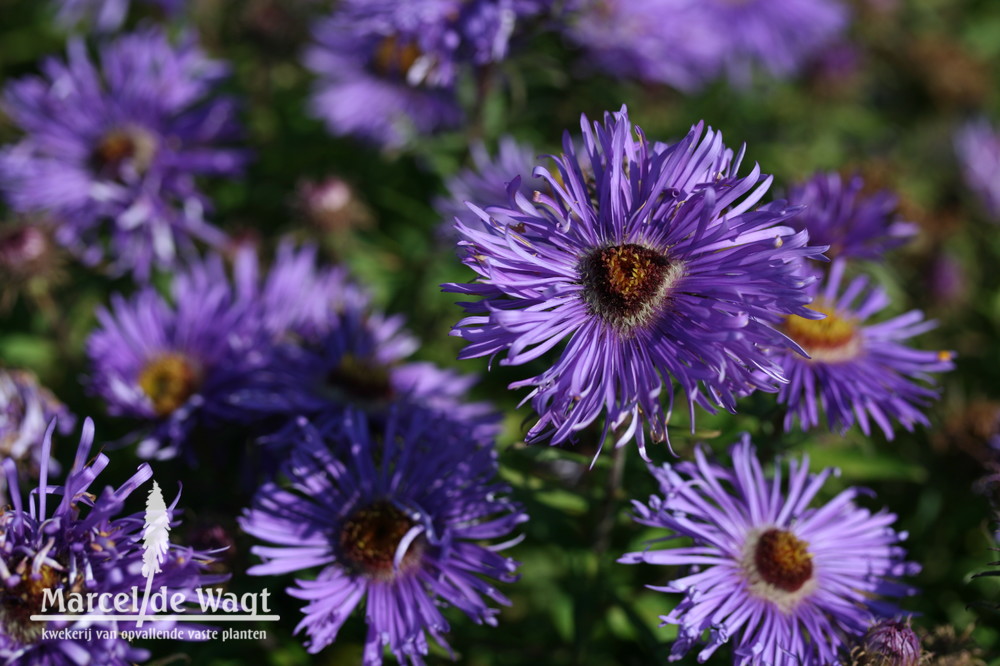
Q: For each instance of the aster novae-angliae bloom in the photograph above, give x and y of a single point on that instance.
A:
(115, 148)
(978, 146)
(387, 69)
(172, 364)
(107, 15)
(75, 538)
(856, 370)
(396, 520)
(887, 643)
(785, 583)
(26, 409)
(651, 264)
(840, 214)
(644, 39)
(485, 181)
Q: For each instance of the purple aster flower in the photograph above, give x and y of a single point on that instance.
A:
(857, 370)
(174, 364)
(357, 356)
(397, 519)
(978, 146)
(686, 43)
(650, 264)
(786, 584)
(853, 224)
(644, 39)
(779, 35)
(73, 538)
(26, 409)
(485, 182)
(107, 15)
(117, 148)
(386, 71)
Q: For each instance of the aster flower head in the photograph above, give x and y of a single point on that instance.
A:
(650, 263)
(485, 182)
(783, 582)
(838, 213)
(977, 144)
(116, 147)
(172, 364)
(857, 371)
(645, 39)
(386, 71)
(71, 538)
(26, 409)
(107, 15)
(396, 519)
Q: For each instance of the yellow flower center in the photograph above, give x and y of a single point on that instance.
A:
(169, 380)
(835, 338)
(361, 379)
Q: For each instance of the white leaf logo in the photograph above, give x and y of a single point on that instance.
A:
(155, 541)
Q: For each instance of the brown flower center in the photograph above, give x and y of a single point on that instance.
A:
(19, 603)
(783, 560)
(133, 144)
(624, 284)
(370, 538)
(834, 338)
(169, 380)
(361, 379)
(394, 58)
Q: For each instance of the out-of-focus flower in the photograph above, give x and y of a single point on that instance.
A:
(978, 146)
(84, 545)
(26, 409)
(649, 261)
(686, 43)
(397, 519)
(839, 214)
(947, 647)
(333, 205)
(486, 182)
(855, 370)
(784, 583)
(29, 259)
(107, 15)
(174, 364)
(115, 149)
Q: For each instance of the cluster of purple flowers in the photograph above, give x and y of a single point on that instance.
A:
(655, 265)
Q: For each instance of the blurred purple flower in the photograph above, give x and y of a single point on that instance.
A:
(400, 518)
(978, 146)
(174, 364)
(106, 15)
(485, 182)
(891, 643)
(857, 370)
(648, 260)
(117, 148)
(85, 545)
(853, 224)
(686, 43)
(784, 583)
